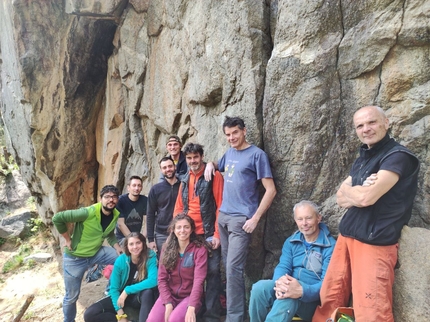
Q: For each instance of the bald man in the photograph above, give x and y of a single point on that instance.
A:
(378, 195)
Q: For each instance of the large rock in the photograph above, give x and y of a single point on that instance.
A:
(14, 194)
(96, 8)
(89, 98)
(16, 225)
(412, 284)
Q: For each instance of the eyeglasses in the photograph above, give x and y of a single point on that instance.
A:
(110, 197)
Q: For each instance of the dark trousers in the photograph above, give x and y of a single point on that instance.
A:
(104, 311)
(213, 287)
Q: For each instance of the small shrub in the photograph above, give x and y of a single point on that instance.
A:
(13, 264)
(29, 315)
(36, 225)
(31, 263)
(17, 261)
(2, 241)
(24, 249)
(7, 165)
(31, 203)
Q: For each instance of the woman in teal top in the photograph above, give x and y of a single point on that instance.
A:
(132, 283)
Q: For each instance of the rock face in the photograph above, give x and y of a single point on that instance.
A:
(14, 194)
(15, 225)
(92, 89)
(412, 283)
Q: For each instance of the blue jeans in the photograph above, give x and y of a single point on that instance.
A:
(263, 305)
(160, 239)
(234, 249)
(74, 269)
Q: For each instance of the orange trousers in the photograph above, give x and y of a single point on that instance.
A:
(366, 271)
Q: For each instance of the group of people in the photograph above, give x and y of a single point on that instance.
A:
(195, 217)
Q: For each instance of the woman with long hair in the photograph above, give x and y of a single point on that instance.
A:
(132, 283)
(181, 274)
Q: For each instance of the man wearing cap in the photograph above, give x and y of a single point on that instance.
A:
(174, 146)
(83, 247)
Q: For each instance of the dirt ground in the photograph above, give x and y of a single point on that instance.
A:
(45, 281)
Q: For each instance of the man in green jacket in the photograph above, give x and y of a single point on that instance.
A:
(83, 247)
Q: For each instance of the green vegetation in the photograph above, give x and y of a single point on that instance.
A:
(36, 225)
(38, 232)
(17, 261)
(12, 264)
(29, 316)
(7, 165)
(31, 203)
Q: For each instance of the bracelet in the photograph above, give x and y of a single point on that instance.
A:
(122, 316)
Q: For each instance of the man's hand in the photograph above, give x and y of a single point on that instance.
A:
(215, 243)
(153, 246)
(67, 240)
(209, 171)
(169, 309)
(288, 287)
(250, 225)
(68, 244)
(121, 299)
(118, 248)
(364, 196)
(370, 180)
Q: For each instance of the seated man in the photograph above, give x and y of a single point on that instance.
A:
(297, 279)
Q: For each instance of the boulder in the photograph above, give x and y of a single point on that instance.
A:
(14, 193)
(39, 257)
(411, 297)
(15, 225)
(95, 8)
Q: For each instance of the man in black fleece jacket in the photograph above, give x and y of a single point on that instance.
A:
(161, 202)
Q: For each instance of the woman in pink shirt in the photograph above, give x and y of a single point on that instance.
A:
(181, 274)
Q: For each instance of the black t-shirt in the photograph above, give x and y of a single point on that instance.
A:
(132, 277)
(401, 163)
(132, 212)
(105, 220)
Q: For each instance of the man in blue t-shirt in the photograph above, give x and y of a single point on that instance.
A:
(244, 165)
(132, 208)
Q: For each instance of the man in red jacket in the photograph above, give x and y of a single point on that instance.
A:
(201, 200)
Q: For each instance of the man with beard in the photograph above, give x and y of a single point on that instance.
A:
(201, 200)
(173, 146)
(83, 247)
(132, 208)
(161, 202)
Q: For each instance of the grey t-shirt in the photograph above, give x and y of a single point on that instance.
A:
(242, 171)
